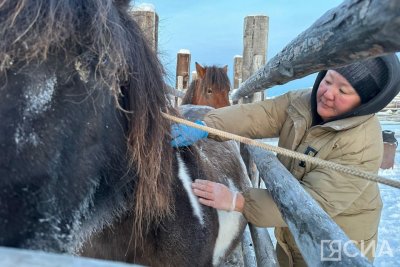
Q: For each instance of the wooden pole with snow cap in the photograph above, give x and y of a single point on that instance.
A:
(147, 19)
(255, 40)
(182, 71)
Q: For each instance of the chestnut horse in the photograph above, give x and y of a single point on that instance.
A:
(86, 164)
(211, 88)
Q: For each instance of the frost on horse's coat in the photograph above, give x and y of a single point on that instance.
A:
(86, 164)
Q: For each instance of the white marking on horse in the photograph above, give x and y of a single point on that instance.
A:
(38, 98)
(22, 138)
(229, 225)
(184, 176)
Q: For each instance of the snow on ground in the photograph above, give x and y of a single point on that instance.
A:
(389, 227)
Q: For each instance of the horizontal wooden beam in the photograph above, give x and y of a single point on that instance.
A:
(175, 92)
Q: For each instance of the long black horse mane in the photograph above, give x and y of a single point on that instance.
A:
(98, 35)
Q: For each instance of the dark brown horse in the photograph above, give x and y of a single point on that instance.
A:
(211, 88)
(86, 164)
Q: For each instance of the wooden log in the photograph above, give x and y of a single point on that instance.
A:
(249, 256)
(194, 75)
(147, 19)
(183, 67)
(255, 34)
(179, 87)
(263, 247)
(11, 257)
(352, 31)
(313, 230)
(174, 92)
(237, 71)
(254, 54)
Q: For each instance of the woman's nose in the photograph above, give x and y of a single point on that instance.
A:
(330, 93)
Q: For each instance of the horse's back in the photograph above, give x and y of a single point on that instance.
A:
(224, 164)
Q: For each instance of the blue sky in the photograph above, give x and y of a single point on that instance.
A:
(213, 30)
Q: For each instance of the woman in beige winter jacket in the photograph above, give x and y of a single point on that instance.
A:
(334, 121)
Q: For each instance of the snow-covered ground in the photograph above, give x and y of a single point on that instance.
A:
(388, 248)
(389, 228)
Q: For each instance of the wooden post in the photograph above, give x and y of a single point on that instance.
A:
(263, 247)
(249, 256)
(255, 39)
(147, 19)
(237, 71)
(315, 233)
(182, 71)
(194, 75)
(352, 31)
(183, 67)
(179, 87)
(255, 35)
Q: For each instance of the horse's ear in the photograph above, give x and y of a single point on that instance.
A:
(201, 71)
(225, 68)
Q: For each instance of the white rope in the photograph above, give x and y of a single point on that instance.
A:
(289, 153)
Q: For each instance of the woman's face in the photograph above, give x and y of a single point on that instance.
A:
(335, 96)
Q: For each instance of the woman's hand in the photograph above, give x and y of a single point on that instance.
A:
(216, 195)
(183, 135)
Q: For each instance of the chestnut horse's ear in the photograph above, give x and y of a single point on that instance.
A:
(201, 71)
(225, 68)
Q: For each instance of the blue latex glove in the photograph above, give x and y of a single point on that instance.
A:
(183, 135)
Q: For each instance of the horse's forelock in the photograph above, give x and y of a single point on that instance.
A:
(214, 76)
(217, 77)
(35, 29)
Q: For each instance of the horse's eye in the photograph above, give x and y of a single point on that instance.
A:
(209, 90)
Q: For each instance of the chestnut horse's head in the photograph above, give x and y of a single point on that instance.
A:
(211, 88)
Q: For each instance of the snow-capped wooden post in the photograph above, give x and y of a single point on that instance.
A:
(255, 39)
(320, 240)
(352, 31)
(255, 34)
(182, 71)
(147, 19)
(194, 75)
